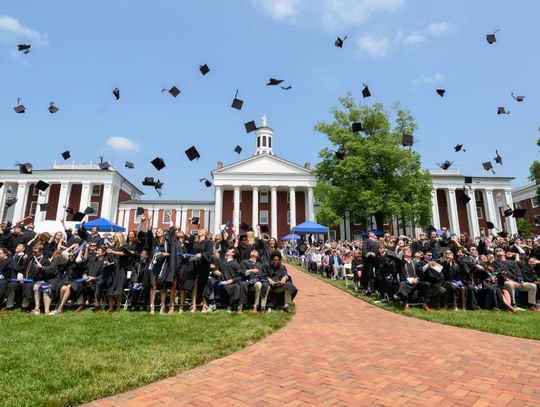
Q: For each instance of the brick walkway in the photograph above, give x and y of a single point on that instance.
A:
(339, 350)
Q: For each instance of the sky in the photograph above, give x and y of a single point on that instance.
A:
(403, 49)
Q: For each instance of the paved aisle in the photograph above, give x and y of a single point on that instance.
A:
(339, 350)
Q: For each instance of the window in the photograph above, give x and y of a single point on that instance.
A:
(137, 218)
(534, 202)
(288, 217)
(95, 207)
(35, 191)
(479, 212)
(270, 142)
(332, 235)
(96, 190)
(517, 205)
(263, 218)
(264, 141)
(258, 141)
(477, 195)
(536, 220)
(167, 215)
(263, 197)
(195, 213)
(33, 208)
(356, 219)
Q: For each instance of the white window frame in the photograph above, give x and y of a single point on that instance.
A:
(479, 212)
(167, 213)
(95, 207)
(476, 195)
(536, 220)
(288, 217)
(33, 208)
(533, 201)
(98, 186)
(196, 213)
(265, 194)
(265, 212)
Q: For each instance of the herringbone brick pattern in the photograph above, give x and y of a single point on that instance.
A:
(341, 351)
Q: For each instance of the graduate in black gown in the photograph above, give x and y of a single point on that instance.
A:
(7, 272)
(161, 272)
(94, 267)
(64, 283)
(184, 276)
(120, 258)
(203, 248)
(279, 280)
(254, 280)
(226, 279)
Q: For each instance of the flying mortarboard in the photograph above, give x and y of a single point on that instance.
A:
(464, 199)
(192, 153)
(357, 127)
(89, 210)
(1, 184)
(104, 165)
(490, 38)
(66, 154)
(286, 87)
(340, 154)
(69, 210)
(459, 147)
(502, 110)
(264, 229)
(238, 149)
(52, 108)
(273, 82)
(445, 165)
(149, 181)
(407, 140)
(24, 48)
(10, 201)
(488, 166)
(490, 225)
(498, 158)
(440, 92)
(468, 180)
(174, 91)
(44, 207)
(139, 211)
(20, 107)
(41, 186)
(250, 126)
(206, 182)
(519, 212)
(204, 69)
(237, 103)
(25, 168)
(339, 42)
(158, 163)
(158, 185)
(116, 93)
(244, 226)
(129, 164)
(195, 220)
(518, 98)
(365, 92)
(77, 217)
(508, 212)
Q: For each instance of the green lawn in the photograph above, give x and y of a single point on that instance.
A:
(524, 324)
(74, 358)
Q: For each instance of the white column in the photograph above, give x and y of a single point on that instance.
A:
(511, 225)
(489, 205)
(273, 207)
(311, 212)
(43, 197)
(342, 231)
(3, 196)
(127, 216)
(206, 219)
(236, 208)
(177, 217)
(348, 225)
(472, 214)
(218, 197)
(63, 197)
(306, 207)
(255, 208)
(453, 216)
(183, 220)
(113, 205)
(86, 194)
(210, 213)
(20, 205)
(435, 217)
(292, 206)
(106, 201)
(155, 218)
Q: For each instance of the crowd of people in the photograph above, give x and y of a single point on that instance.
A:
(434, 270)
(40, 272)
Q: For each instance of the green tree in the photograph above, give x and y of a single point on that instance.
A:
(524, 227)
(371, 174)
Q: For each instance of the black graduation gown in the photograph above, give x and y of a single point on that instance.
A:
(201, 266)
(276, 274)
(235, 293)
(116, 275)
(161, 272)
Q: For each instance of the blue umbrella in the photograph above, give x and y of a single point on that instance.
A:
(291, 237)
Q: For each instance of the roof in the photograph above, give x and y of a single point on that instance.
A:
(262, 157)
(165, 202)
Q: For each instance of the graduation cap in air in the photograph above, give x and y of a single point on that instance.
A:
(340, 154)
(158, 186)
(273, 82)
(488, 166)
(286, 87)
(25, 168)
(519, 212)
(41, 186)
(502, 110)
(407, 140)
(192, 153)
(174, 91)
(44, 207)
(195, 220)
(250, 126)
(1, 184)
(490, 225)
(357, 127)
(116, 93)
(129, 164)
(339, 42)
(69, 210)
(206, 182)
(365, 92)
(78, 217)
(89, 210)
(139, 211)
(518, 98)
(237, 103)
(244, 226)
(238, 149)
(52, 108)
(24, 48)
(20, 107)
(158, 163)
(464, 199)
(468, 180)
(10, 201)
(440, 92)
(204, 69)
(459, 147)
(104, 165)
(445, 165)
(498, 158)
(490, 38)
(149, 182)
(264, 229)
(66, 155)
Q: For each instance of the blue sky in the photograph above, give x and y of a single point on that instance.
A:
(403, 49)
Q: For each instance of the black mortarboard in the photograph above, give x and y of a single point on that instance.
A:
(508, 212)
(89, 210)
(192, 153)
(66, 154)
(158, 163)
(206, 182)
(464, 199)
(518, 98)
(407, 140)
(468, 180)
(244, 226)
(501, 110)
(490, 225)
(365, 92)
(237, 103)
(24, 48)
(52, 108)
(173, 91)
(44, 207)
(458, 147)
(1, 184)
(357, 127)
(204, 69)
(41, 186)
(116, 93)
(69, 210)
(158, 185)
(195, 220)
(149, 181)
(339, 42)
(487, 166)
(445, 165)
(340, 154)
(490, 38)
(264, 229)
(272, 82)
(139, 211)
(104, 165)
(19, 108)
(129, 164)
(498, 158)
(440, 92)
(25, 168)
(286, 87)
(502, 234)
(238, 149)
(77, 217)
(10, 201)
(250, 126)
(519, 212)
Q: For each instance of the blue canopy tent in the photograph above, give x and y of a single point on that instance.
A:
(292, 236)
(309, 227)
(103, 225)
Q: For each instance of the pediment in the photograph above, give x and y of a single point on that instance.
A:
(264, 164)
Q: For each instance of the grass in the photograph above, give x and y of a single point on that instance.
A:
(74, 358)
(524, 324)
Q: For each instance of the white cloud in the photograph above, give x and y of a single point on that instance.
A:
(374, 47)
(428, 79)
(122, 144)
(440, 28)
(332, 15)
(11, 30)
(413, 38)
